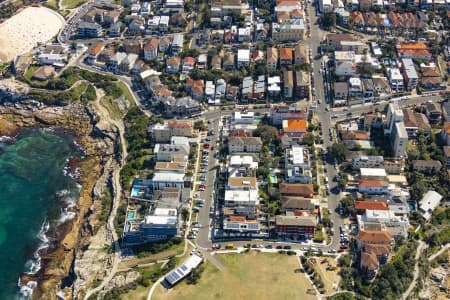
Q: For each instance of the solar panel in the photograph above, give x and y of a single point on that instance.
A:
(183, 267)
(232, 226)
(253, 226)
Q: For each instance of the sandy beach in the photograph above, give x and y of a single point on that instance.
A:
(22, 32)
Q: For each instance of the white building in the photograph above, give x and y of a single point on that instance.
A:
(428, 203)
(396, 80)
(241, 198)
(399, 140)
(373, 173)
(298, 167)
(163, 180)
(243, 59)
(394, 115)
(367, 162)
(240, 117)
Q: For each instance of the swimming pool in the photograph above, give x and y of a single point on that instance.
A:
(273, 179)
(131, 215)
(135, 192)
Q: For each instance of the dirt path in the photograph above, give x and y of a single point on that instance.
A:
(416, 271)
(117, 188)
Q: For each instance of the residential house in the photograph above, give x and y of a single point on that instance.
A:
(427, 166)
(297, 165)
(410, 74)
(431, 77)
(164, 44)
(367, 162)
(177, 43)
(94, 52)
(173, 64)
(216, 63)
(395, 80)
(372, 187)
(244, 144)
(326, 6)
(127, 63)
(184, 106)
(285, 57)
(429, 203)
(170, 153)
(340, 93)
(202, 61)
(301, 54)
(280, 113)
(296, 190)
(229, 61)
(291, 30)
(333, 40)
(295, 227)
(414, 50)
(288, 86)
(273, 86)
(301, 89)
(433, 112)
(151, 49)
(368, 88)
(115, 61)
(243, 58)
(241, 224)
(381, 85)
(188, 64)
(272, 58)
(195, 88)
(89, 30)
(355, 88)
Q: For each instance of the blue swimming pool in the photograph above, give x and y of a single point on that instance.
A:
(131, 215)
(135, 192)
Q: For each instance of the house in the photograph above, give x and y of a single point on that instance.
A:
(195, 87)
(244, 144)
(285, 57)
(273, 86)
(137, 25)
(355, 88)
(373, 187)
(241, 198)
(115, 61)
(170, 153)
(202, 61)
(188, 64)
(241, 224)
(295, 227)
(173, 64)
(395, 80)
(244, 34)
(220, 8)
(410, 74)
(128, 63)
(414, 122)
(433, 112)
(371, 205)
(333, 40)
(371, 258)
(414, 50)
(44, 73)
(288, 86)
(216, 63)
(381, 85)
(21, 64)
(301, 54)
(367, 162)
(229, 61)
(88, 30)
(293, 204)
(151, 49)
(272, 58)
(296, 190)
(291, 30)
(295, 129)
(242, 183)
(94, 52)
(280, 113)
(374, 238)
(177, 43)
(340, 93)
(368, 88)
(301, 89)
(183, 106)
(355, 46)
(399, 140)
(164, 44)
(373, 173)
(297, 165)
(427, 166)
(428, 203)
(243, 58)
(221, 88)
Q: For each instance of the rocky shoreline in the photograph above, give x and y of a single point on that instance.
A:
(99, 144)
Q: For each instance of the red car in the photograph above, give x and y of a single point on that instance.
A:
(340, 250)
(206, 146)
(344, 246)
(201, 187)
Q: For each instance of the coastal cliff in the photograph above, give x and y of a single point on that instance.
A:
(99, 144)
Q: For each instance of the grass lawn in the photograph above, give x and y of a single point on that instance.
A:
(139, 293)
(30, 70)
(72, 3)
(126, 93)
(174, 250)
(52, 4)
(112, 107)
(330, 278)
(245, 276)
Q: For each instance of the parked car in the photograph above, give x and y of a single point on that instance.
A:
(287, 247)
(279, 247)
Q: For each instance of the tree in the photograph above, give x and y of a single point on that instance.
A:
(338, 152)
(267, 133)
(308, 139)
(328, 20)
(185, 214)
(200, 125)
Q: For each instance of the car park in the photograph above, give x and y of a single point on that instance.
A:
(287, 247)
(279, 247)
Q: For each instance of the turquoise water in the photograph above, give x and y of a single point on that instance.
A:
(33, 189)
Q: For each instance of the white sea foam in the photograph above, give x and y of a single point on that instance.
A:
(26, 290)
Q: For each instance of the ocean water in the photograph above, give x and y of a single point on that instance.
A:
(36, 194)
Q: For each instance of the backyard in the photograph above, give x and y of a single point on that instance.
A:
(246, 276)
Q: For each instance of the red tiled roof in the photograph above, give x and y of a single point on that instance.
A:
(369, 260)
(175, 124)
(374, 183)
(373, 236)
(372, 205)
(286, 53)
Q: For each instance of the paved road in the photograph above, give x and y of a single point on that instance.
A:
(317, 36)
